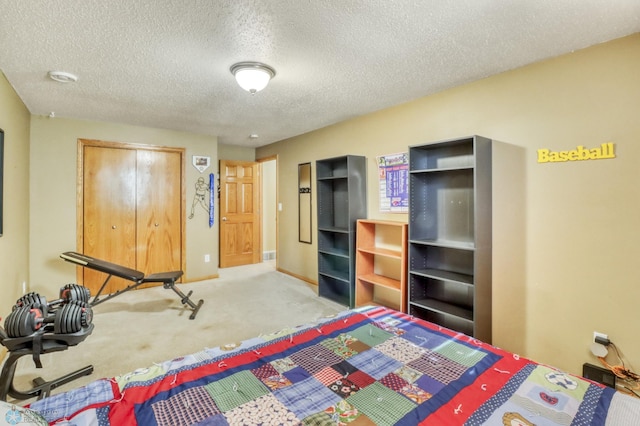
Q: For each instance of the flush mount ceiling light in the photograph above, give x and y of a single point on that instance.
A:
(63, 77)
(252, 76)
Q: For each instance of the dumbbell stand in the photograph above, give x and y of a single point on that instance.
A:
(22, 346)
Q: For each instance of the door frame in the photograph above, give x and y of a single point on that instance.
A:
(80, 193)
(260, 161)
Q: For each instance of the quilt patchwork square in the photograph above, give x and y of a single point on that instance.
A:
(264, 371)
(344, 387)
(393, 382)
(424, 338)
(370, 334)
(266, 410)
(414, 393)
(235, 390)
(439, 367)
(339, 348)
(344, 368)
(315, 358)
(375, 363)
(185, 408)
(306, 397)
(400, 349)
(390, 324)
(360, 378)
(357, 346)
(408, 373)
(559, 381)
(381, 404)
(276, 382)
(429, 384)
(344, 413)
(327, 375)
(319, 419)
(462, 354)
(296, 374)
(283, 364)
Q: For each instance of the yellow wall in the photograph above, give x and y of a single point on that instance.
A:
(14, 243)
(237, 153)
(565, 235)
(53, 180)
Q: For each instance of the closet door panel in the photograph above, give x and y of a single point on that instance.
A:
(109, 207)
(159, 193)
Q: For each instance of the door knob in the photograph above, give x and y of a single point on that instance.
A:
(224, 218)
(113, 227)
(157, 224)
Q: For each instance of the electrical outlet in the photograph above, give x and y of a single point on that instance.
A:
(207, 258)
(597, 335)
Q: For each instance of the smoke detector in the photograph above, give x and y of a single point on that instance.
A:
(63, 77)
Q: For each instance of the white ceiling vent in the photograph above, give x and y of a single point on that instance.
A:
(62, 77)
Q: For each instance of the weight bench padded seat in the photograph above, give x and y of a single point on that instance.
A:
(168, 279)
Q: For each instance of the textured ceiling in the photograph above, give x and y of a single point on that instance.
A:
(165, 63)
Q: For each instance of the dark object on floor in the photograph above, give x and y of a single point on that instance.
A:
(168, 279)
(599, 374)
(36, 327)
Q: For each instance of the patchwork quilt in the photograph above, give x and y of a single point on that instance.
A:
(370, 366)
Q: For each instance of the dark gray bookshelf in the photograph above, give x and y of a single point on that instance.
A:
(342, 200)
(450, 207)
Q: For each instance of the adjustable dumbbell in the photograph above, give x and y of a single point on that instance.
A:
(73, 317)
(74, 292)
(67, 293)
(31, 299)
(25, 320)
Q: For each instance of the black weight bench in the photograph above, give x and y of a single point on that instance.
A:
(168, 279)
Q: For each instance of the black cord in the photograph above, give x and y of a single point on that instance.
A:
(630, 375)
(618, 354)
(632, 391)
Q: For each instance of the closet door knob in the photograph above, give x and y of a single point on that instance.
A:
(224, 218)
(113, 227)
(157, 224)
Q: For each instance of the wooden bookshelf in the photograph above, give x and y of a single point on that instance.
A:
(381, 263)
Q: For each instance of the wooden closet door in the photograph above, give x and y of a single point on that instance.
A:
(159, 213)
(109, 211)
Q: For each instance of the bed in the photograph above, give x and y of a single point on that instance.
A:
(365, 366)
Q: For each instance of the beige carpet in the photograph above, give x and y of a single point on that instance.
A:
(141, 327)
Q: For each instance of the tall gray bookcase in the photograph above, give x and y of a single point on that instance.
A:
(342, 200)
(450, 234)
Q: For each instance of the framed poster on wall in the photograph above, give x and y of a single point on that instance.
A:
(393, 174)
(1, 179)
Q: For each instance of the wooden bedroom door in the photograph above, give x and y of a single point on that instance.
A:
(132, 208)
(240, 239)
